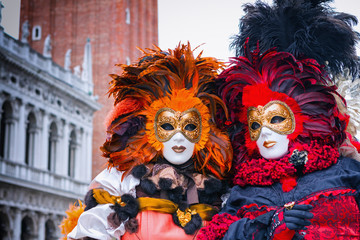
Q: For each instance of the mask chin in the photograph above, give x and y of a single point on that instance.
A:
(272, 145)
(178, 150)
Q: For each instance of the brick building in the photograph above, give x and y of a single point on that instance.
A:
(114, 28)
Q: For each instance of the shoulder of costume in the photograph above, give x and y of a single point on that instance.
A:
(349, 164)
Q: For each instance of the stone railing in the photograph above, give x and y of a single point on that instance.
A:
(38, 61)
(47, 179)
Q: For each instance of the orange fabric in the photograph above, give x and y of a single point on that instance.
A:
(159, 226)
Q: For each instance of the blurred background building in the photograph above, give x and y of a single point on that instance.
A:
(53, 100)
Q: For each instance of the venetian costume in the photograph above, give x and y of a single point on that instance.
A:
(166, 157)
(290, 180)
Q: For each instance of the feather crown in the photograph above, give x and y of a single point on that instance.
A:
(305, 28)
(255, 79)
(174, 79)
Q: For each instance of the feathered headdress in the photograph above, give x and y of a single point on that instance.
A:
(304, 28)
(256, 79)
(165, 79)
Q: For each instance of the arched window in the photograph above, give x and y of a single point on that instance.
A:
(27, 228)
(50, 230)
(6, 130)
(4, 227)
(30, 139)
(53, 137)
(72, 154)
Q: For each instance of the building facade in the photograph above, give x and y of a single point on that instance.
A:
(115, 28)
(46, 115)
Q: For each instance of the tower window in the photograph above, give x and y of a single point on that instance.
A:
(36, 33)
(127, 16)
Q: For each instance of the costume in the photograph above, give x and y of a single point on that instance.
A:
(166, 157)
(290, 180)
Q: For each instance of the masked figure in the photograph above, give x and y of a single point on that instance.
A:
(166, 158)
(290, 180)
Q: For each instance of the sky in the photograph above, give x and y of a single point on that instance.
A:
(213, 23)
(209, 24)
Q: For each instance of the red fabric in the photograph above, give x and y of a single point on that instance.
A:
(217, 228)
(287, 234)
(266, 172)
(334, 218)
(288, 183)
(253, 210)
(282, 232)
(158, 226)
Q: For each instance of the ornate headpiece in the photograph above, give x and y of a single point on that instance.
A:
(172, 91)
(257, 81)
(304, 28)
(287, 53)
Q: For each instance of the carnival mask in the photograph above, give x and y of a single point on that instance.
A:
(178, 149)
(272, 145)
(275, 115)
(168, 122)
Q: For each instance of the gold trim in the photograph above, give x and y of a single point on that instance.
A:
(177, 115)
(254, 135)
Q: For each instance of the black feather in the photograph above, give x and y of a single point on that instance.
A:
(176, 194)
(148, 186)
(165, 183)
(130, 210)
(89, 200)
(139, 171)
(305, 28)
(194, 224)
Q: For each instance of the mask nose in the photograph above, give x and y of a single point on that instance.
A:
(265, 132)
(178, 137)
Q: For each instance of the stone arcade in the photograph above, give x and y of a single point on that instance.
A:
(46, 115)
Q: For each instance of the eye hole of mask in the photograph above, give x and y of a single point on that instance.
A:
(190, 127)
(255, 125)
(277, 119)
(167, 126)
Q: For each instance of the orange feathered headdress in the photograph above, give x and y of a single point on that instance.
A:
(174, 79)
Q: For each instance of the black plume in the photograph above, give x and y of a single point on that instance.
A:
(305, 28)
(89, 200)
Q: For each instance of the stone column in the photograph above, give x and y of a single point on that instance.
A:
(20, 136)
(41, 228)
(43, 136)
(17, 225)
(63, 162)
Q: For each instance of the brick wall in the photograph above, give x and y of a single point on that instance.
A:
(71, 22)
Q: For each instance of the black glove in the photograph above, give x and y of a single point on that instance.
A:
(297, 217)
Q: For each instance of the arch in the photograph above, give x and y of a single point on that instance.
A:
(52, 144)
(50, 230)
(4, 227)
(5, 129)
(27, 228)
(30, 138)
(72, 154)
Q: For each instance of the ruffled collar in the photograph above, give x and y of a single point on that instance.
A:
(302, 159)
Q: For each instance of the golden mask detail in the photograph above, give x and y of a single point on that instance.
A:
(275, 115)
(168, 122)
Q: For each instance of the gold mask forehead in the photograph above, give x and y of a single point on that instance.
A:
(187, 122)
(261, 116)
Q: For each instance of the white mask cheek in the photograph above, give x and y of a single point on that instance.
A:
(178, 149)
(272, 145)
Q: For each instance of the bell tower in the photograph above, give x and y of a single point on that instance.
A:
(90, 37)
